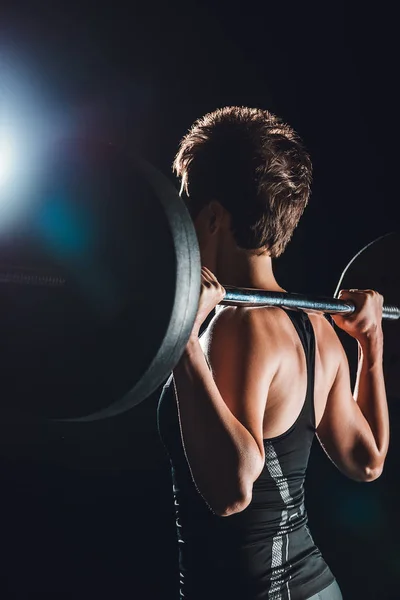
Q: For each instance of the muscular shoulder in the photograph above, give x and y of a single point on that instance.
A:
(256, 323)
(326, 336)
(243, 331)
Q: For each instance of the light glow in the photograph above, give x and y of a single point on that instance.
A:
(6, 159)
(29, 126)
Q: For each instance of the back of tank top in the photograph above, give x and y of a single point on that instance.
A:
(265, 552)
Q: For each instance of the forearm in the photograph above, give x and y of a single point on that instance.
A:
(370, 392)
(221, 452)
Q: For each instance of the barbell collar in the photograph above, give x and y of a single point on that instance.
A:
(252, 297)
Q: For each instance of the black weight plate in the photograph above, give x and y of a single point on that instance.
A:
(116, 230)
(375, 268)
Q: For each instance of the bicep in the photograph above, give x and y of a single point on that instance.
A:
(242, 363)
(343, 432)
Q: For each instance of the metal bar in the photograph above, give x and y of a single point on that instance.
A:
(19, 276)
(249, 297)
(234, 296)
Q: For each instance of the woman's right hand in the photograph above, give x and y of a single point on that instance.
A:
(366, 321)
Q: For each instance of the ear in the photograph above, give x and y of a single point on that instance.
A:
(216, 215)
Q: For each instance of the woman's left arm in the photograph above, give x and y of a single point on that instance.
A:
(222, 437)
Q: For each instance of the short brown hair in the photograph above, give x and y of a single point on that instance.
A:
(255, 165)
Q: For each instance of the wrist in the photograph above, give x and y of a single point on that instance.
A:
(371, 347)
(373, 337)
(188, 355)
(194, 334)
(193, 341)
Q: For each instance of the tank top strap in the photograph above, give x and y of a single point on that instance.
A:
(304, 328)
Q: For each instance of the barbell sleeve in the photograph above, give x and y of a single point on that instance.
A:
(251, 297)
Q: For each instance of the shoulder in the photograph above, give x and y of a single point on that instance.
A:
(258, 323)
(325, 332)
(247, 335)
(330, 352)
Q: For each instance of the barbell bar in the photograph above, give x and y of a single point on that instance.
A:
(234, 296)
(249, 297)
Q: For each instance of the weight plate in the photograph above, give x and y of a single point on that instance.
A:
(115, 230)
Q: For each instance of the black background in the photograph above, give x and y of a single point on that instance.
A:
(86, 508)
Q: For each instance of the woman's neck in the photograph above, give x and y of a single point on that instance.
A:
(245, 270)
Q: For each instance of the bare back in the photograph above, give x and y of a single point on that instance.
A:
(287, 391)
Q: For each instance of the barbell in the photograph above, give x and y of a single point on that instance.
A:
(100, 286)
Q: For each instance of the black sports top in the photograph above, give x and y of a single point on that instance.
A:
(265, 552)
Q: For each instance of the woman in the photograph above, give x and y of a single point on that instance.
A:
(239, 420)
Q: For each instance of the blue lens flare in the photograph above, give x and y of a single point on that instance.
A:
(65, 230)
(71, 236)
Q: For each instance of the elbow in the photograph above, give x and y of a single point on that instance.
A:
(370, 465)
(372, 472)
(237, 505)
(240, 496)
